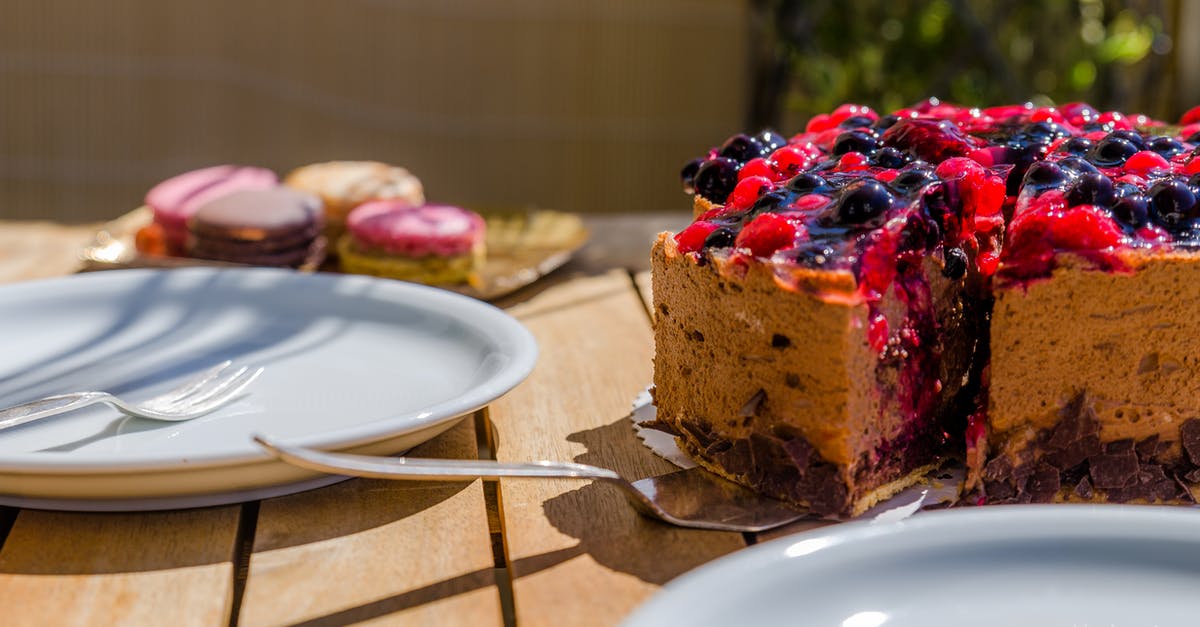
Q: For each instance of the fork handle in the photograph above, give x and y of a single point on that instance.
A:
(50, 406)
(430, 469)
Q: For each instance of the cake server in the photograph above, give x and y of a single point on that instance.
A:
(692, 498)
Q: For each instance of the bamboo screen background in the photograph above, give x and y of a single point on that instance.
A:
(580, 106)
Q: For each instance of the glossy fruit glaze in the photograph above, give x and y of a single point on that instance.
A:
(997, 196)
(860, 191)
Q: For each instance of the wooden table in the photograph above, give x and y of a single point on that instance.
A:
(519, 552)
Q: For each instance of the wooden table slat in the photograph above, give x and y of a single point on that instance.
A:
(157, 568)
(578, 553)
(401, 552)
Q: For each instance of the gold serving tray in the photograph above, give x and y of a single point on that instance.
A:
(522, 246)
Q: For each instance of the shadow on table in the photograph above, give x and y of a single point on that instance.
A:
(70, 543)
(611, 531)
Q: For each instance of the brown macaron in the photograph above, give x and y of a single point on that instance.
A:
(272, 227)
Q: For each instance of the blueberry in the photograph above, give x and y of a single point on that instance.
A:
(716, 178)
(1092, 127)
(1132, 137)
(742, 148)
(720, 238)
(1043, 132)
(770, 140)
(1111, 152)
(889, 157)
(913, 179)
(1045, 175)
(1091, 188)
(1076, 165)
(1166, 146)
(1124, 190)
(864, 201)
(769, 202)
(807, 183)
(956, 264)
(856, 121)
(854, 141)
(885, 122)
(688, 174)
(1131, 209)
(1172, 204)
(1076, 146)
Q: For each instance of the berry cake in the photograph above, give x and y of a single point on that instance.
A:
(856, 304)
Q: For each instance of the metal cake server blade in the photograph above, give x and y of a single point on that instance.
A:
(692, 498)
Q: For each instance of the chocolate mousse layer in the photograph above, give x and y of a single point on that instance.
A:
(1094, 383)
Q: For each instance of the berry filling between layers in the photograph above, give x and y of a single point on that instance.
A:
(875, 195)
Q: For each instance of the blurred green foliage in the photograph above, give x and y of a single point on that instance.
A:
(889, 54)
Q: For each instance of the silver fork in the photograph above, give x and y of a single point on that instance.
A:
(193, 398)
(688, 498)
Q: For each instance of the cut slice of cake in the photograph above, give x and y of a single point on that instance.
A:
(814, 333)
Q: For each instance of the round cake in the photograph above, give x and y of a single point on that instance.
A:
(862, 301)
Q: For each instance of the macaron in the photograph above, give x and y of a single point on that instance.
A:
(269, 227)
(174, 200)
(344, 185)
(435, 244)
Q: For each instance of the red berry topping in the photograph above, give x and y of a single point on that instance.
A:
(1116, 119)
(931, 140)
(1047, 114)
(1079, 113)
(820, 122)
(790, 160)
(747, 191)
(757, 166)
(1191, 117)
(1048, 227)
(1146, 161)
(811, 203)
(1007, 113)
(692, 238)
(767, 233)
(852, 161)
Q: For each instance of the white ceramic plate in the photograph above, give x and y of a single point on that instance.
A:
(352, 363)
(1003, 565)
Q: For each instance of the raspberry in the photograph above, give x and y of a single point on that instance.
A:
(758, 167)
(1116, 119)
(1191, 117)
(766, 234)
(1146, 161)
(818, 123)
(1047, 114)
(852, 161)
(747, 191)
(692, 238)
(790, 160)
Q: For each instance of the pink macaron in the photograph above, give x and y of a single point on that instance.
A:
(176, 199)
(397, 228)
